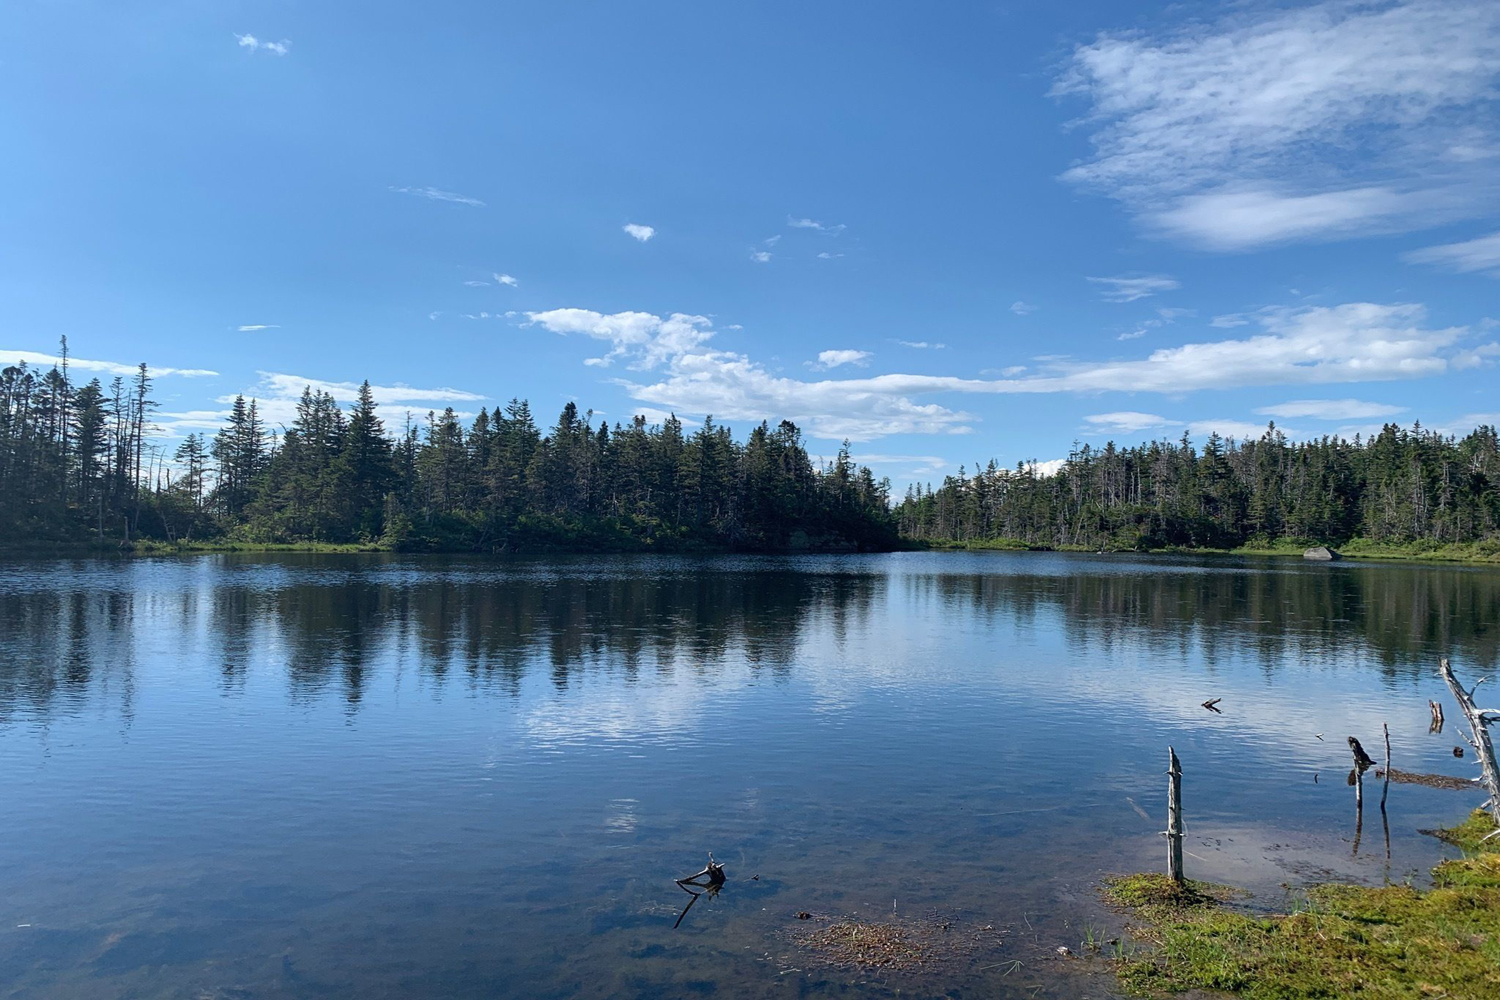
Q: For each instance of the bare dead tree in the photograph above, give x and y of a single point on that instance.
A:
(1479, 720)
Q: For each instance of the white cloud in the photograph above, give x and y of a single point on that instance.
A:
(505, 279)
(1482, 254)
(45, 362)
(733, 387)
(814, 224)
(760, 256)
(922, 345)
(1022, 308)
(1127, 421)
(1229, 321)
(1240, 219)
(1239, 430)
(771, 241)
(1051, 467)
(434, 314)
(1012, 370)
(1129, 289)
(832, 359)
(1331, 409)
(255, 45)
(922, 465)
(434, 194)
(825, 255)
(648, 339)
(278, 385)
(642, 233)
(1464, 425)
(276, 395)
(1309, 123)
(1356, 342)
(252, 327)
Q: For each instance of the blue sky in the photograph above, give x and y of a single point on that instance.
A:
(947, 232)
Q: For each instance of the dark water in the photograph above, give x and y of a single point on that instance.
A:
(372, 777)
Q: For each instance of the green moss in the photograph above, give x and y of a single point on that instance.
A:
(1153, 889)
(1389, 943)
(1471, 832)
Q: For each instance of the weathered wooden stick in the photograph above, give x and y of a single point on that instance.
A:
(1437, 717)
(1386, 788)
(1174, 816)
(1479, 720)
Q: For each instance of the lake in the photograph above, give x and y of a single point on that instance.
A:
(247, 776)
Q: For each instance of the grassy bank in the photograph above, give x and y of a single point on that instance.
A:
(1387, 943)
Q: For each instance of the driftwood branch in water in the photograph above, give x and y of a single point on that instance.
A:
(1447, 781)
(709, 881)
(1212, 705)
(1479, 737)
(1436, 726)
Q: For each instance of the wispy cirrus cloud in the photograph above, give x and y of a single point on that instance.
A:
(1331, 409)
(254, 44)
(1022, 308)
(252, 327)
(638, 232)
(1271, 125)
(436, 194)
(815, 225)
(1127, 421)
(44, 361)
(1126, 288)
(761, 256)
(1131, 422)
(1481, 255)
(922, 345)
(276, 395)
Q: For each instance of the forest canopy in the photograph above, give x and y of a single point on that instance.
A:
(1398, 486)
(81, 462)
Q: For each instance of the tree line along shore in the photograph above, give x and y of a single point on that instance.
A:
(80, 465)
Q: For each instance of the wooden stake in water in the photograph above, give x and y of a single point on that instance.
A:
(1386, 788)
(1174, 816)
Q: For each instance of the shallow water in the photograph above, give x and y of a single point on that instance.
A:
(389, 776)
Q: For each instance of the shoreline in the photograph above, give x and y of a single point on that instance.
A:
(1337, 940)
(1357, 550)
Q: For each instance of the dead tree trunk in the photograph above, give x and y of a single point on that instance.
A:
(1174, 816)
(1479, 720)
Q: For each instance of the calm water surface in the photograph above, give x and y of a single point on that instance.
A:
(308, 776)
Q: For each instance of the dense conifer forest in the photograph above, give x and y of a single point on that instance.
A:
(1396, 487)
(80, 462)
